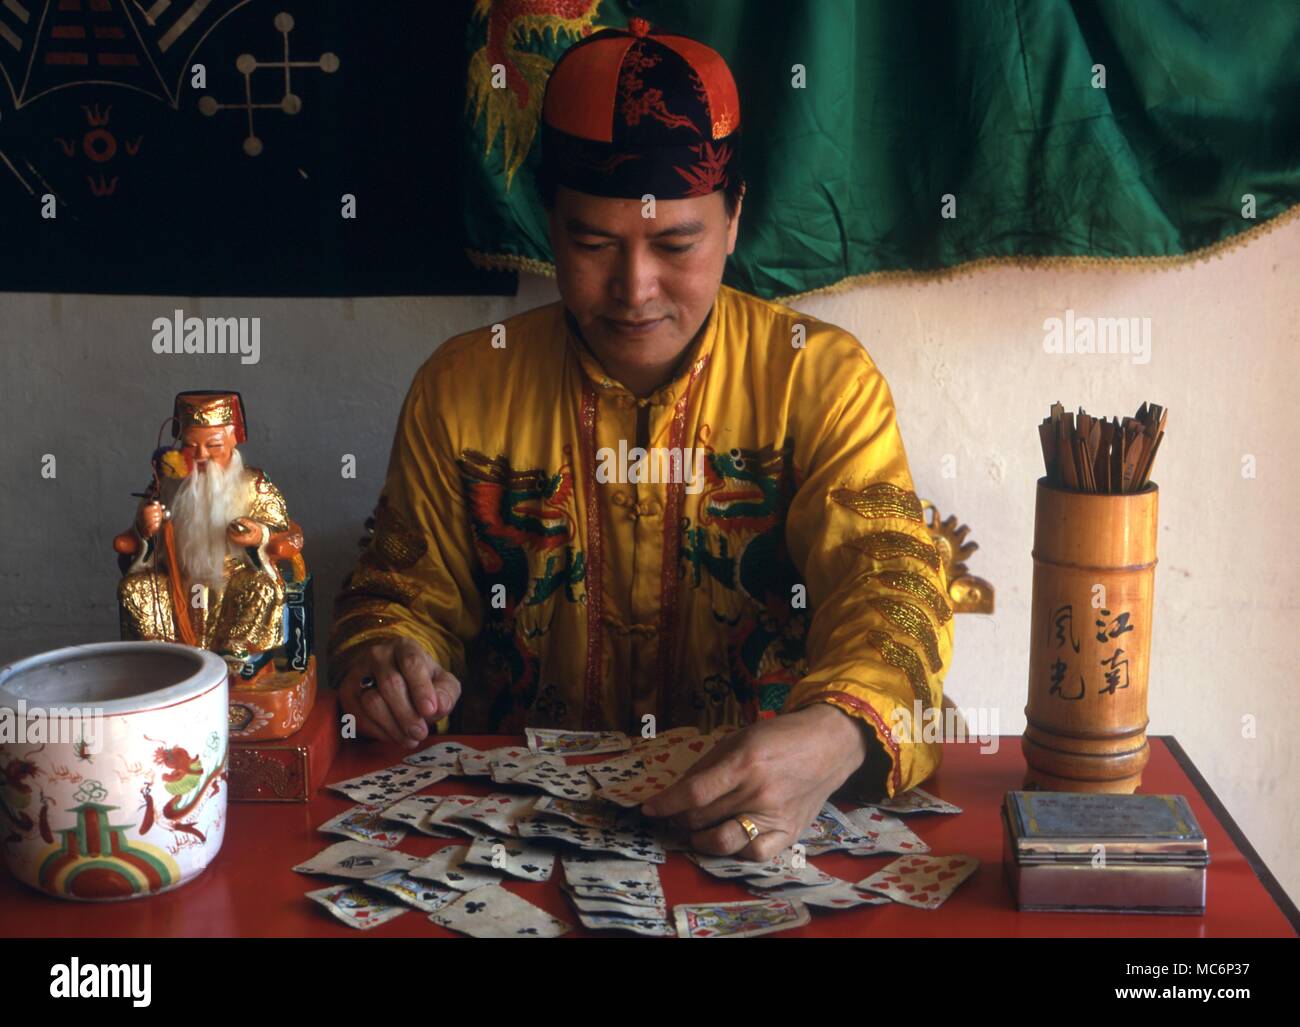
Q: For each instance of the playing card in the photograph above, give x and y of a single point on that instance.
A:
(837, 895)
(594, 813)
(884, 833)
(831, 831)
(478, 762)
(414, 811)
(359, 860)
(609, 773)
(422, 895)
(498, 812)
(512, 856)
(444, 755)
(557, 778)
(634, 843)
(448, 813)
(918, 800)
(365, 823)
(921, 881)
(616, 905)
(388, 785)
(356, 906)
(745, 919)
(663, 765)
(494, 912)
(651, 926)
(508, 768)
(447, 866)
(806, 876)
(729, 866)
(606, 877)
(572, 743)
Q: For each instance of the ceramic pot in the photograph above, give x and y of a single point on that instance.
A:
(113, 768)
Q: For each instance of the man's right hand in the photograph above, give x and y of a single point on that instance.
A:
(411, 691)
(151, 518)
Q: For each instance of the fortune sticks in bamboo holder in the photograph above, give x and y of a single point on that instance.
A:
(1094, 577)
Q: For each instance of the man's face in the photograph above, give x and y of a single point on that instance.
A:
(614, 266)
(204, 444)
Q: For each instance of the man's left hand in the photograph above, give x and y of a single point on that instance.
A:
(778, 773)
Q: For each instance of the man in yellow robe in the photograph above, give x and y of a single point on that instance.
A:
(659, 497)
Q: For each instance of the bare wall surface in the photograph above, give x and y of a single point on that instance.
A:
(965, 360)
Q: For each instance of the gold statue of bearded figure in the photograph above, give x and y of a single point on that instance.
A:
(206, 540)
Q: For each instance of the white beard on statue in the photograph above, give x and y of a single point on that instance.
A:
(202, 509)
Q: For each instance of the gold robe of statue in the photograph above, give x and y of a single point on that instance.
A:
(245, 615)
(562, 592)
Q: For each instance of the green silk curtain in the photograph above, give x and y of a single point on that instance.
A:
(992, 104)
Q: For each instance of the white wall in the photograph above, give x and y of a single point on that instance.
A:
(964, 358)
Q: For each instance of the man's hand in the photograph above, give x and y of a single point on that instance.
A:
(411, 691)
(778, 772)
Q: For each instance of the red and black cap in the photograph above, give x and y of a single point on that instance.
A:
(630, 112)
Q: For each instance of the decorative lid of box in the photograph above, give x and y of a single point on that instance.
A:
(1067, 827)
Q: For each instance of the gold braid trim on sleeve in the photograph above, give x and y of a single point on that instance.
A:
(919, 589)
(881, 499)
(395, 541)
(915, 623)
(900, 656)
(366, 581)
(889, 545)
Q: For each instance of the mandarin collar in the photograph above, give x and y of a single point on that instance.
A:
(697, 355)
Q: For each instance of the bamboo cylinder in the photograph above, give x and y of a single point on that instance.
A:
(1094, 580)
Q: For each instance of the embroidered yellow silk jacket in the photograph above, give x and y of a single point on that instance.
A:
(765, 552)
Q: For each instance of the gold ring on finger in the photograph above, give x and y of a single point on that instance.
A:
(750, 827)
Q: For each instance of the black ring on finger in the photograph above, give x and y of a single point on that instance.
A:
(367, 682)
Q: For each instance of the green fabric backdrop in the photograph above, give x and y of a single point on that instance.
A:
(991, 101)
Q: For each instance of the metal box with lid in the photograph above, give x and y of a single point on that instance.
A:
(1081, 852)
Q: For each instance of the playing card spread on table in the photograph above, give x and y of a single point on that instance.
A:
(359, 860)
(356, 906)
(422, 895)
(557, 778)
(444, 755)
(921, 881)
(574, 743)
(494, 912)
(659, 768)
(507, 768)
(452, 806)
(587, 874)
(365, 823)
(832, 831)
(478, 762)
(512, 856)
(388, 785)
(498, 812)
(592, 813)
(634, 843)
(739, 919)
(884, 833)
(806, 876)
(651, 926)
(414, 811)
(447, 866)
(618, 904)
(918, 800)
(730, 866)
(836, 895)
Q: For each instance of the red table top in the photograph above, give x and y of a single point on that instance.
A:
(250, 890)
